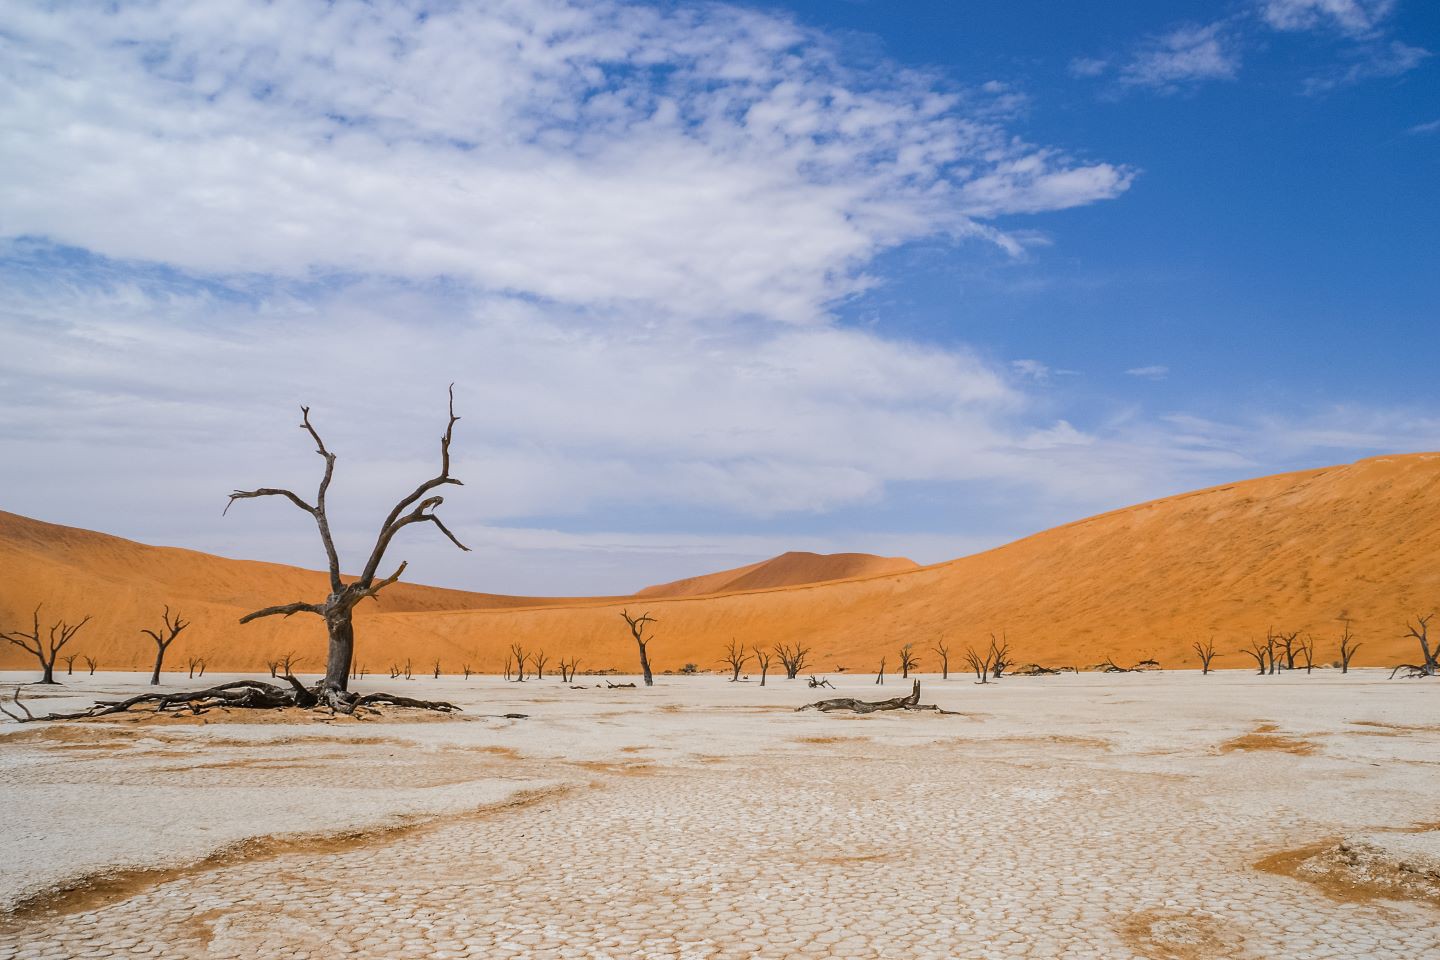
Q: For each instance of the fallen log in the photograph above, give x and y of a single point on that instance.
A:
(911, 702)
(239, 694)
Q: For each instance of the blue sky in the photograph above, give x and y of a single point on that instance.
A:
(714, 281)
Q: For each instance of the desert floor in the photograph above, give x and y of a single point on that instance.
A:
(1069, 816)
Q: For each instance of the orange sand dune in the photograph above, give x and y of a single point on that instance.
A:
(787, 570)
(1296, 551)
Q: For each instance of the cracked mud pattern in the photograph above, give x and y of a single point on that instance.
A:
(912, 853)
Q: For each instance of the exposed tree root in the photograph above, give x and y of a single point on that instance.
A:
(242, 694)
(911, 702)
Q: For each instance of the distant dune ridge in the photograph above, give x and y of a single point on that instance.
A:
(787, 570)
(1297, 551)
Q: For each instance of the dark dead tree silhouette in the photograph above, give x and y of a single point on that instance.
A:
(639, 629)
(912, 702)
(1420, 632)
(538, 661)
(1288, 643)
(908, 660)
(567, 669)
(518, 654)
(793, 658)
(880, 674)
(943, 649)
(999, 655)
(1261, 652)
(337, 609)
(45, 648)
(436, 675)
(196, 662)
(163, 637)
(1206, 652)
(980, 663)
(735, 656)
(762, 658)
(1305, 653)
(70, 659)
(465, 668)
(1348, 646)
(91, 663)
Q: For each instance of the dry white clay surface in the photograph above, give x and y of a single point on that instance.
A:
(1055, 817)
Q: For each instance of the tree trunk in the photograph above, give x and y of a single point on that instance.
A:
(49, 676)
(341, 651)
(645, 666)
(159, 659)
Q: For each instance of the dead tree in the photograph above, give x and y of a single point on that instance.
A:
(1421, 632)
(1206, 652)
(273, 665)
(1288, 643)
(912, 702)
(394, 671)
(240, 694)
(638, 627)
(437, 670)
(509, 666)
(196, 662)
(45, 649)
(999, 656)
(762, 657)
(408, 674)
(880, 674)
(793, 657)
(288, 663)
(538, 660)
(820, 682)
(91, 663)
(1305, 652)
(337, 609)
(466, 668)
(1348, 646)
(70, 663)
(163, 637)
(735, 656)
(567, 669)
(1272, 647)
(943, 650)
(908, 661)
(1261, 653)
(980, 664)
(518, 653)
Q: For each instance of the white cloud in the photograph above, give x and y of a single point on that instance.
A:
(1031, 370)
(704, 160)
(1088, 66)
(1185, 55)
(1353, 17)
(1155, 372)
(1370, 61)
(1431, 126)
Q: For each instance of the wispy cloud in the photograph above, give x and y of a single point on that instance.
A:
(549, 148)
(1356, 18)
(1368, 62)
(1190, 54)
(1184, 56)
(1431, 126)
(1155, 372)
(1088, 66)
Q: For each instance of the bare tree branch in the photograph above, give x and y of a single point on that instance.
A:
(286, 609)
